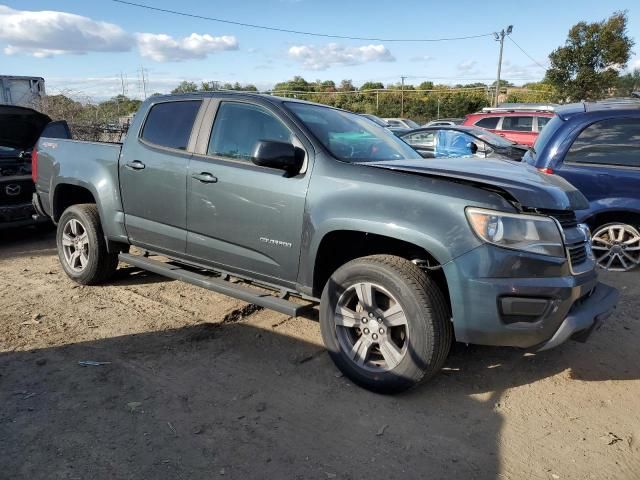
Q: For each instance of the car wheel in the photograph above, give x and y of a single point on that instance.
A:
(616, 247)
(82, 249)
(385, 323)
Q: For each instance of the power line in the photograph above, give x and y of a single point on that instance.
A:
(530, 57)
(298, 32)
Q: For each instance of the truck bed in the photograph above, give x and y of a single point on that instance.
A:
(91, 165)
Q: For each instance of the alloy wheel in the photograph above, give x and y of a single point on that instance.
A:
(371, 327)
(75, 245)
(617, 247)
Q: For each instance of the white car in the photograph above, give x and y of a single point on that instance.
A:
(401, 123)
(444, 122)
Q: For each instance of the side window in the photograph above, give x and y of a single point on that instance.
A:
(608, 142)
(488, 122)
(169, 124)
(542, 121)
(518, 124)
(239, 126)
(394, 123)
(421, 138)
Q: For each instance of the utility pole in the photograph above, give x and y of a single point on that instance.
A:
(499, 37)
(402, 96)
(144, 82)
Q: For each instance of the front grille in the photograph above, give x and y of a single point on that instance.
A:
(567, 218)
(577, 253)
(14, 192)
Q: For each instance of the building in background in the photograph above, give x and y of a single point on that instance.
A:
(22, 91)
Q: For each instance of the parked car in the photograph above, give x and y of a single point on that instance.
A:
(375, 119)
(596, 146)
(442, 122)
(397, 131)
(520, 123)
(307, 200)
(20, 128)
(401, 123)
(461, 141)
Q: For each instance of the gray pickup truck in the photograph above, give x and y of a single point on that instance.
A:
(404, 255)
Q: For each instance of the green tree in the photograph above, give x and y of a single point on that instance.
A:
(371, 86)
(185, 87)
(586, 67)
(628, 83)
(346, 86)
(425, 86)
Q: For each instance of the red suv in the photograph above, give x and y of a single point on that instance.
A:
(518, 123)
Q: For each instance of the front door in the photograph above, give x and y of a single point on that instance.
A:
(242, 216)
(153, 171)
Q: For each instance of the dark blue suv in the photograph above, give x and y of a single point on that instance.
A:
(596, 147)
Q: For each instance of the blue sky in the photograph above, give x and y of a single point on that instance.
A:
(80, 53)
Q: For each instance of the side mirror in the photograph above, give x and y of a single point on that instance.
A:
(280, 155)
(473, 147)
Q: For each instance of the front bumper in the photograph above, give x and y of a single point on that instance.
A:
(508, 298)
(585, 316)
(22, 214)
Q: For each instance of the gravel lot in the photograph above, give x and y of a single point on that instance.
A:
(203, 386)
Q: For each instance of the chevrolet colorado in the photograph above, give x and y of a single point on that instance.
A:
(403, 254)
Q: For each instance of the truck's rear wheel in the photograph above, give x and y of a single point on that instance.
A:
(82, 249)
(385, 323)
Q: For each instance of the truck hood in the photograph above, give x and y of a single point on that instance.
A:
(21, 127)
(524, 183)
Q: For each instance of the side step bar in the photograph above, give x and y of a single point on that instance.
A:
(225, 287)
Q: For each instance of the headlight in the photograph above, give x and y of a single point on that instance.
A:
(530, 233)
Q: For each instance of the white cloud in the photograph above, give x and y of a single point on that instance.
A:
(467, 66)
(421, 58)
(164, 48)
(333, 54)
(45, 33)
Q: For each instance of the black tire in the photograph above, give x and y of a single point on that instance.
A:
(428, 332)
(100, 264)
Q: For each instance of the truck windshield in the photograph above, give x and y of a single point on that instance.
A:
(350, 137)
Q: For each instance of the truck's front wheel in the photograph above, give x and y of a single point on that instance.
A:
(81, 246)
(385, 323)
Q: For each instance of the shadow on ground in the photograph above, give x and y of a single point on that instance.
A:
(27, 242)
(243, 402)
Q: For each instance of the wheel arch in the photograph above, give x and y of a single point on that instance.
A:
(620, 215)
(338, 247)
(68, 194)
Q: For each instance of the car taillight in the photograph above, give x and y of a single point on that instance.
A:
(34, 165)
(546, 170)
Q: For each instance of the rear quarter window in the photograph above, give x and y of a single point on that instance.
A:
(608, 142)
(169, 124)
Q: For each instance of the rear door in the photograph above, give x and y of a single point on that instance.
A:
(240, 215)
(603, 162)
(518, 128)
(153, 176)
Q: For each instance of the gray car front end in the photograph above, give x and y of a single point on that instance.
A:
(499, 295)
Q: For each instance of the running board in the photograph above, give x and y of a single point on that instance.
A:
(225, 287)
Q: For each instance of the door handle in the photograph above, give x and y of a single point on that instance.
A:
(204, 177)
(135, 165)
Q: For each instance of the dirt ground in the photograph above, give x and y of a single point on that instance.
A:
(199, 385)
